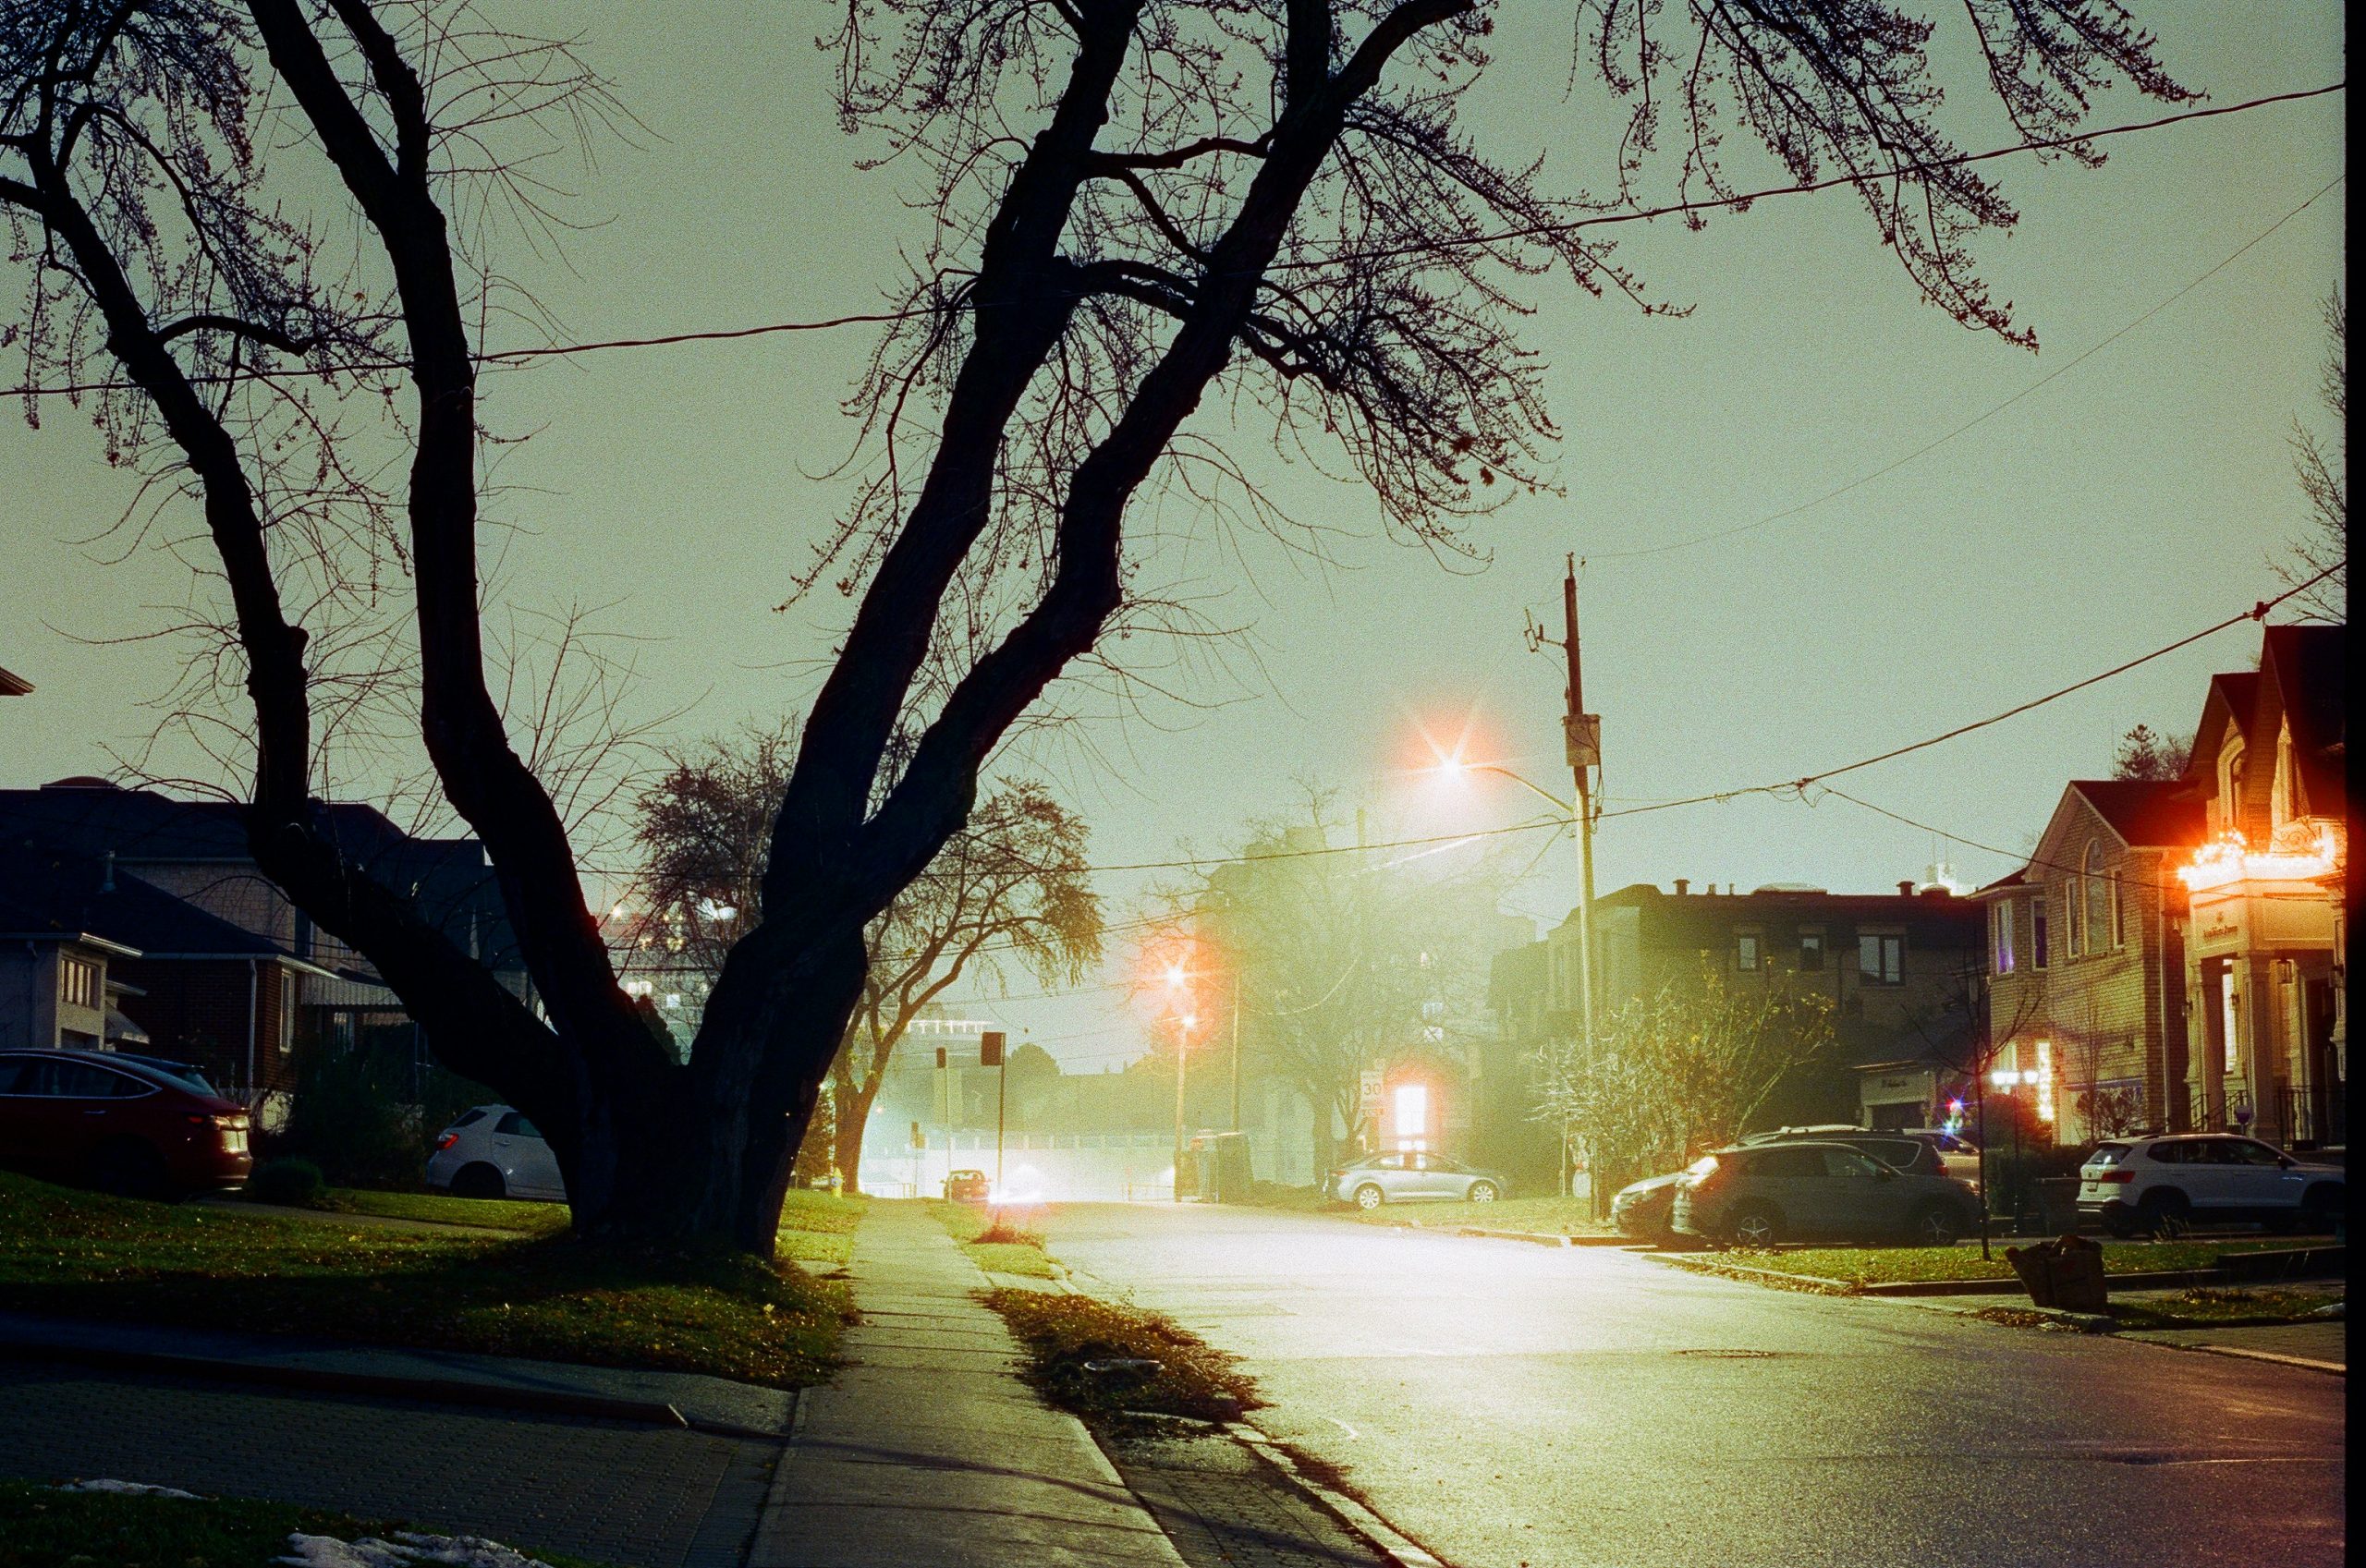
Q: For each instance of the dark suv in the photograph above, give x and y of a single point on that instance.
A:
(1900, 1151)
(1756, 1194)
(129, 1124)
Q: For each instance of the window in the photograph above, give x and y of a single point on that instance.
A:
(1782, 1163)
(77, 983)
(2000, 935)
(1413, 1111)
(1746, 950)
(1845, 1162)
(2229, 1021)
(2098, 917)
(2178, 1151)
(1811, 952)
(286, 1011)
(1881, 960)
(515, 1122)
(2037, 930)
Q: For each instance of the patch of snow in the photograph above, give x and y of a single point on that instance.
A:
(124, 1488)
(407, 1550)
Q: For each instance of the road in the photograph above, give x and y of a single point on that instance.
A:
(1516, 1406)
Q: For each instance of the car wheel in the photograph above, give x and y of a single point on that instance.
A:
(478, 1180)
(1483, 1192)
(1368, 1196)
(1935, 1224)
(2167, 1212)
(1753, 1225)
(130, 1169)
(2320, 1206)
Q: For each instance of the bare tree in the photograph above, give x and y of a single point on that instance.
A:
(1681, 1071)
(1143, 207)
(1011, 891)
(2324, 545)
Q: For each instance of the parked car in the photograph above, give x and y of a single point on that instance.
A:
(137, 1125)
(2166, 1182)
(1646, 1209)
(493, 1152)
(1412, 1178)
(1901, 1151)
(1957, 1152)
(1756, 1194)
(966, 1186)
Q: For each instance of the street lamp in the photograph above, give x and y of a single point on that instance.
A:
(1454, 767)
(1178, 982)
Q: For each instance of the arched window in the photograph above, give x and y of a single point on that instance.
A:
(2095, 919)
(2229, 804)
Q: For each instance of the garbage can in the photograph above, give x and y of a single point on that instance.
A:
(2066, 1273)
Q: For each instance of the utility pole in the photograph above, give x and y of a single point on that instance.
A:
(1236, 1043)
(1182, 1055)
(1581, 739)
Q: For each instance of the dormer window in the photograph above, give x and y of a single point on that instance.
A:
(2226, 810)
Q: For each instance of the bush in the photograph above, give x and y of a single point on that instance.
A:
(357, 1113)
(297, 1183)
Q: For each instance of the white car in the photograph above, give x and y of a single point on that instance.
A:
(2161, 1184)
(493, 1152)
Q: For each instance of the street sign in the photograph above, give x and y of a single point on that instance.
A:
(1374, 1090)
(990, 1048)
(919, 1139)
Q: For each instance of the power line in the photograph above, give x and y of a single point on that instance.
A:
(1898, 171)
(1977, 420)
(498, 357)
(2028, 861)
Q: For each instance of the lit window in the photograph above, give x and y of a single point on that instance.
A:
(1413, 1111)
(2000, 922)
(1811, 952)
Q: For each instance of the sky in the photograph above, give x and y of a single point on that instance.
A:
(2136, 496)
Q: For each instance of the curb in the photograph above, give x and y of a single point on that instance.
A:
(1539, 1238)
(1818, 1284)
(2336, 1368)
(441, 1391)
(1386, 1538)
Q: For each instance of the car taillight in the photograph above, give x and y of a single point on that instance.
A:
(2113, 1177)
(447, 1141)
(229, 1124)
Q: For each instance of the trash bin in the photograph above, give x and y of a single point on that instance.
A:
(2066, 1273)
(1219, 1167)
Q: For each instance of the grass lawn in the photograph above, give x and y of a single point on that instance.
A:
(74, 1254)
(1885, 1265)
(1063, 1332)
(1555, 1216)
(993, 1241)
(40, 1528)
(815, 1227)
(2212, 1308)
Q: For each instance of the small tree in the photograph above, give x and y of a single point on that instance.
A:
(1009, 890)
(1688, 1069)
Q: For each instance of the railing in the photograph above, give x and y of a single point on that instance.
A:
(2230, 1111)
(2313, 1116)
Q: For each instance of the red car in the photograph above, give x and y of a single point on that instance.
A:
(129, 1125)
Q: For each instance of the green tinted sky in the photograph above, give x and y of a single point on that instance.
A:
(2137, 497)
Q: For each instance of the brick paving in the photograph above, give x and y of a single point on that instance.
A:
(633, 1496)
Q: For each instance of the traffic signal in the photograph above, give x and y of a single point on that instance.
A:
(990, 1048)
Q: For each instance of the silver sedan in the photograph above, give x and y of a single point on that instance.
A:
(1412, 1178)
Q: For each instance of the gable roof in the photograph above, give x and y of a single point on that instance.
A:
(45, 891)
(2304, 669)
(2146, 813)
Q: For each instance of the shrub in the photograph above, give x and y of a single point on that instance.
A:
(297, 1182)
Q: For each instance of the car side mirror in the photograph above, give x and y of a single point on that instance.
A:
(1885, 1173)
(2285, 1161)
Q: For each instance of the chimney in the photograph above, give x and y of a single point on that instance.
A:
(1906, 889)
(1683, 886)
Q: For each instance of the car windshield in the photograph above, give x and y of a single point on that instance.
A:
(1701, 1166)
(2108, 1154)
(180, 1073)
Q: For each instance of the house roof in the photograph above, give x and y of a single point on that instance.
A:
(14, 685)
(2146, 813)
(2311, 682)
(48, 892)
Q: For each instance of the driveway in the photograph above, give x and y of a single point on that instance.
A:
(1508, 1404)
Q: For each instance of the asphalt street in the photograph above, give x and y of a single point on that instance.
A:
(1516, 1406)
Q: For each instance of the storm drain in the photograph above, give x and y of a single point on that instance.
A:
(1736, 1355)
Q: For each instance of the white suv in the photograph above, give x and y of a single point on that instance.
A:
(2161, 1184)
(493, 1152)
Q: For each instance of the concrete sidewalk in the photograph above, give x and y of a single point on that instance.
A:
(928, 1451)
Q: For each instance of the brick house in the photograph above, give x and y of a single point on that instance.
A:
(2270, 895)
(209, 961)
(2085, 959)
(1892, 964)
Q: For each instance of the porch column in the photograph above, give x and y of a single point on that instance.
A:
(2209, 1017)
(2262, 1048)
